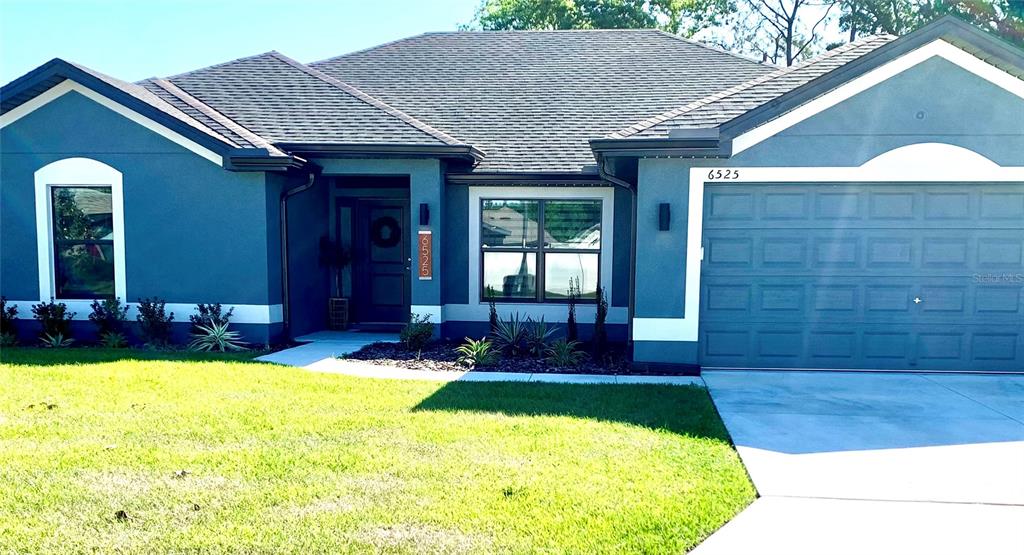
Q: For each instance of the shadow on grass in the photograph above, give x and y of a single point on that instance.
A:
(32, 356)
(685, 410)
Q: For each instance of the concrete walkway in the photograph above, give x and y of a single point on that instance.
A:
(875, 463)
(321, 352)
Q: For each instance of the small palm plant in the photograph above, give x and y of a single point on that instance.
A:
(475, 353)
(538, 336)
(564, 354)
(216, 337)
(113, 340)
(56, 341)
(509, 335)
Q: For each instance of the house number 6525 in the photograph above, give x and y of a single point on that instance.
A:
(724, 174)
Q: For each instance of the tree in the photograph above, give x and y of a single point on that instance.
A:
(1004, 18)
(874, 17)
(781, 31)
(674, 16)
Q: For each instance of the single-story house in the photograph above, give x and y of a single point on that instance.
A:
(862, 210)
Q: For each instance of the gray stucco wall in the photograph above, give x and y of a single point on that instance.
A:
(935, 101)
(193, 231)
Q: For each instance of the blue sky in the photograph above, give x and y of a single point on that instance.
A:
(133, 40)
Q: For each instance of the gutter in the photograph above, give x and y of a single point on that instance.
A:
(285, 309)
(463, 152)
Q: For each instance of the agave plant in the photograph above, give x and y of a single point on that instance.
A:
(475, 353)
(216, 337)
(56, 341)
(564, 354)
(113, 340)
(538, 336)
(509, 335)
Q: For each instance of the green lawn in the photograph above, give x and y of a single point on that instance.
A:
(281, 459)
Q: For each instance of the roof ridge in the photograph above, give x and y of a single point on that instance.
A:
(374, 102)
(220, 64)
(215, 115)
(712, 47)
(676, 112)
(376, 46)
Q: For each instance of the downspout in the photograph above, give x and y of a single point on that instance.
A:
(285, 311)
(611, 178)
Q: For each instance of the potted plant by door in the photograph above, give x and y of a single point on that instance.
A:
(336, 258)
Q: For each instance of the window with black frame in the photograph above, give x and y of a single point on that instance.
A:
(531, 250)
(83, 242)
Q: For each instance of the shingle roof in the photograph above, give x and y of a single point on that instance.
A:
(532, 99)
(721, 107)
(147, 96)
(285, 102)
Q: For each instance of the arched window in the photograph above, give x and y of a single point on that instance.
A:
(80, 230)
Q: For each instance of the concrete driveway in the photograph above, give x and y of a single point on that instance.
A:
(875, 463)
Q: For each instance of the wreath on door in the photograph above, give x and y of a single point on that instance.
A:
(385, 232)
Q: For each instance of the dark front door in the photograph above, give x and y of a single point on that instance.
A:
(381, 261)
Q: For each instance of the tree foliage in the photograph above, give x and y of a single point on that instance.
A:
(674, 16)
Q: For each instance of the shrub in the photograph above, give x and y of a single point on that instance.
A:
(538, 336)
(564, 354)
(216, 337)
(209, 315)
(509, 335)
(55, 341)
(417, 333)
(600, 331)
(492, 312)
(54, 317)
(108, 315)
(8, 325)
(113, 340)
(154, 322)
(475, 353)
(571, 332)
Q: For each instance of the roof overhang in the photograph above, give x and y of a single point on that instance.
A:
(697, 142)
(260, 159)
(526, 178)
(467, 153)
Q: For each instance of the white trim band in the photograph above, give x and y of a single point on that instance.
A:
(435, 312)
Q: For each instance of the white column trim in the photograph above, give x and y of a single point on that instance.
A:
(920, 163)
(476, 194)
(938, 48)
(436, 312)
(68, 85)
(83, 172)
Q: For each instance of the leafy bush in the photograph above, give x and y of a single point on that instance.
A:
(216, 337)
(8, 326)
(55, 341)
(209, 315)
(154, 322)
(417, 333)
(571, 331)
(113, 340)
(108, 315)
(564, 354)
(54, 317)
(600, 331)
(475, 353)
(492, 309)
(509, 335)
(538, 336)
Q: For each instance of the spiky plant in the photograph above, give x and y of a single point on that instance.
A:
(216, 337)
(475, 353)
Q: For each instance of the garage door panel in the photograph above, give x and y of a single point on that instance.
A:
(886, 276)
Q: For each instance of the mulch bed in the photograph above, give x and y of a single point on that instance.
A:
(440, 357)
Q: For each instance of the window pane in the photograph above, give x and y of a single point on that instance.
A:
(572, 224)
(509, 223)
(511, 274)
(82, 213)
(85, 271)
(561, 267)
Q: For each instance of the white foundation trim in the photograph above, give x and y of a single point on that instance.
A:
(435, 312)
(68, 85)
(244, 313)
(477, 194)
(83, 172)
(938, 48)
(918, 163)
(552, 313)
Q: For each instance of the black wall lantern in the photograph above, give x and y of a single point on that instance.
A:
(424, 214)
(664, 216)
